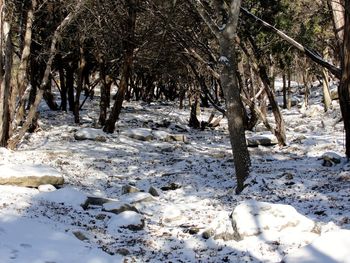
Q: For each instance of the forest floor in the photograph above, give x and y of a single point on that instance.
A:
(197, 178)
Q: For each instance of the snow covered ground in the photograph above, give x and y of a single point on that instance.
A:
(188, 216)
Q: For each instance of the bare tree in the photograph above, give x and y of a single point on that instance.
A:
(225, 37)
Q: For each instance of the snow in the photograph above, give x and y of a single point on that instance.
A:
(23, 170)
(331, 247)
(124, 219)
(25, 240)
(67, 196)
(204, 197)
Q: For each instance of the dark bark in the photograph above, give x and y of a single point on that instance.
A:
(344, 87)
(5, 82)
(127, 65)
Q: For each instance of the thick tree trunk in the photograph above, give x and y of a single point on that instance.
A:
(5, 77)
(127, 65)
(231, 91)
(344, 87)
(337, 8)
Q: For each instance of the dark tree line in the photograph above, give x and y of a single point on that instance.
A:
(199, 53)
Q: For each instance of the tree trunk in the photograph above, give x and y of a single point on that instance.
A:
(127, 65)
(327, 100)
(5, 77)
(14, 140)
(80, 84)
(344, 87)
(284, 90)
(70, 86)
(231, 91)
(337, 8)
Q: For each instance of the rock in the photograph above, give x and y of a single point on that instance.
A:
(118, 207)
(66, 196)
(98, 201)
(330, 159)
(79, 235)
(172, 186)
(128, 219)
(123, 251)
(154, 191)
(221, 227)
(331, 247)
(139, 197)
(208, 233)
(334, 94)
(176, 138)
(252, 218)
(167, 137)
(171, 213)
(142, 134)
(46, 188)
(29, 175)
(90, 134)
(263, 140)
(160, 135)
(127, 189)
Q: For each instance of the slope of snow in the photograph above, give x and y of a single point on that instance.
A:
(196, 182)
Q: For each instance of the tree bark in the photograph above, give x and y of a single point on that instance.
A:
(127, 65)
(5, 76)
(14, 140)
(344, 87)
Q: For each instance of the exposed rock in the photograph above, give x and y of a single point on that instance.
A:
(98, 201)
(29, 175)
(208, 233)
(139, 197)
(80, 235)
(330, 247)
(167, 137)
(46, 188)
(90, 134)
(128, 219)
(330, 159)
(252, 218)
(160, 135)
(123, 251)
(118, 207)
(221, 227)
(154, 191)
(142, 134)
(172, 186)
(66, 196)
(127, 189)
(263, 140)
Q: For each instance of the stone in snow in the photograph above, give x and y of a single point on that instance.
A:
(142, 134)
(67, 196)
(331, 247)
(29, 175)
(263, 140)
(330, 158)
(253, 218)
(118, 207)
(139, 197)
(90, 134)
(128, 219)
(127, 189)
(46, 188)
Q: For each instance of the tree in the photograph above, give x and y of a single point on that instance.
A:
(234, 106)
